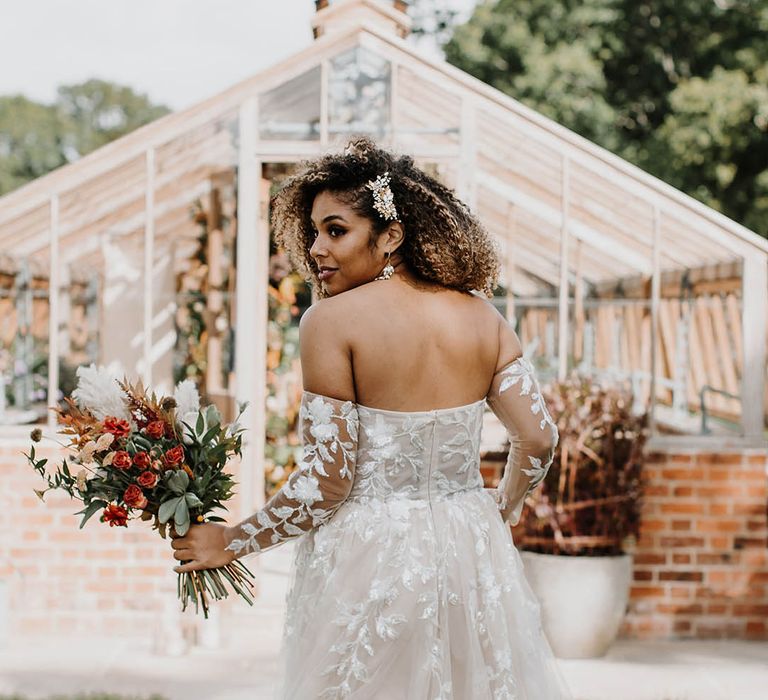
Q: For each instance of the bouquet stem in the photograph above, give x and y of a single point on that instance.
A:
(196, 586)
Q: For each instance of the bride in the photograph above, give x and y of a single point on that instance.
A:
(406, 584)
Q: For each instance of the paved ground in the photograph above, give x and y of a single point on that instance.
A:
(245, 668)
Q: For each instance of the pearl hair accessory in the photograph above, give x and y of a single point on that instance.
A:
(383, 201)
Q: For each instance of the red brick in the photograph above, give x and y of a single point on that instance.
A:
(681, 576)
(682, 542)
(718, 525)
(681, 525)
(650, 558)
(681, 558)
(691, 508)
(680, 474)
(646, 592)
(642, 575)
(756, 610)
(682, 491)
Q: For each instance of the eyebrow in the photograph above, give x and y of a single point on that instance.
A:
(332, 217)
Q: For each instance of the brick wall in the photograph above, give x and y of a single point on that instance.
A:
(59, 579)
(701, 566)
(701, 569)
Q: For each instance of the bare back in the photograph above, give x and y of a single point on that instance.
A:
(416, 349)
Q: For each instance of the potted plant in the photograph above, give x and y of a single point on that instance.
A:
(578, 533)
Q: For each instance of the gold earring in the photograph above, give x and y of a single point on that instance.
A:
(388, 270)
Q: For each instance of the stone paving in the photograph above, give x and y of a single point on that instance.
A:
(244, 667)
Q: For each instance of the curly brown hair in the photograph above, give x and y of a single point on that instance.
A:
(443, 243)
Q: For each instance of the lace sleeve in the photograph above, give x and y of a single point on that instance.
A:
(516, 400)
(316, 488)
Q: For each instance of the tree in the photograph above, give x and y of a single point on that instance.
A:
(37, 138)
(677, 87)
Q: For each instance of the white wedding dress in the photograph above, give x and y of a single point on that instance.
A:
(406, 584)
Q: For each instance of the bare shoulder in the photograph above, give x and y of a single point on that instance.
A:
(326, 364)
(510, 347)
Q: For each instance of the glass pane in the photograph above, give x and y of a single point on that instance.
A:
(292, 110)
(359, 89)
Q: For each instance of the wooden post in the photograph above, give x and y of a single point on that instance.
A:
(655, 301)
(251, 300)
(53, 314)
(562, 320)
(149, 258)
(753, 328)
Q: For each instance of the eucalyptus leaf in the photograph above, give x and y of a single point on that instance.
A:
(192, 500)
(181, 515)
(177, 480)
(92, 508)
(168, 508)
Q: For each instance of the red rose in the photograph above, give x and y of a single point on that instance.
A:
(156, 429)
(134, 497)
(142, 460)
(147, 480)
(174, 455)
(117, 426)
(121, 460)
(115, 515)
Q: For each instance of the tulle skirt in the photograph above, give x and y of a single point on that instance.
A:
(405, 599)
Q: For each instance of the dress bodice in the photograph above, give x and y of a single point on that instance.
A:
(418, 454)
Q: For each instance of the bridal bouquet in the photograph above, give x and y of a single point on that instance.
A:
(160, 459)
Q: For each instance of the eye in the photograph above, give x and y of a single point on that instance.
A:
(335, 231)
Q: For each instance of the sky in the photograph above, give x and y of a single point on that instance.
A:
(176, 51)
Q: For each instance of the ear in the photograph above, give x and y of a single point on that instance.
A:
(393, 236)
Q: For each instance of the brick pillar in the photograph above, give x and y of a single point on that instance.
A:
(701, 569)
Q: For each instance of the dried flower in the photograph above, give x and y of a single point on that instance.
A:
(98, 391)
(168, 403)
(104, 442)
(36, 435)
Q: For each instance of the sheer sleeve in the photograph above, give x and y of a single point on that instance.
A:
(516, 400)
(316, 488)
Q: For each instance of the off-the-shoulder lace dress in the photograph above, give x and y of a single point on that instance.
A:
(406, 584)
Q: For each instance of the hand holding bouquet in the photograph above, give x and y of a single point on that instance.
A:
(161, 458)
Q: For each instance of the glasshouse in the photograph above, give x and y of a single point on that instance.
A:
(153, 255)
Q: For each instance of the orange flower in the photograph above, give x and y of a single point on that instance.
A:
(147, 480)
(142, 460)
(117, 426)
(155, 430)
(134, 497)
(122, 460)
(115, 515)
(174, 455)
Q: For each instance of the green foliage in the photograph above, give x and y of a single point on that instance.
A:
(677, 87)
(37, 138)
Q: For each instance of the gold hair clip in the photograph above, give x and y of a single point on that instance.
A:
(383, 201)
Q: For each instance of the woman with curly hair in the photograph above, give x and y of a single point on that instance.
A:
(406, 583)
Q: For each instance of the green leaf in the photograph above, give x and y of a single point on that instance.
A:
(182, 513)
(182, 528)
(192, 500)
(167, 509)
(178, 481)
(200, 424)
(212, 415)
(93, 508)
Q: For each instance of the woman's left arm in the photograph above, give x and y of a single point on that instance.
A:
(323, 478)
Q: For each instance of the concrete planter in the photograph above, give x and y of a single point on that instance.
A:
(583, 600)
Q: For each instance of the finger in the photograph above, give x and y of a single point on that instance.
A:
(184, 555)
(188, 567)
(180, 543)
